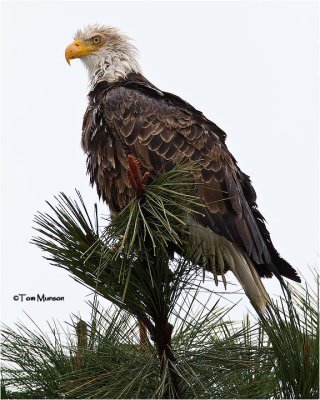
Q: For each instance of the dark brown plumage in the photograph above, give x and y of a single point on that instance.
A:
(133, 117)
(128, 116)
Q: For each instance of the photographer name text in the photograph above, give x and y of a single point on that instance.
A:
(39, 298)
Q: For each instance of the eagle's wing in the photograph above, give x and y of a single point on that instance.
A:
(160, 131)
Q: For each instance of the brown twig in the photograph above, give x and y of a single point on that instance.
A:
(82, 343)
(143, 337)
(161, 333)
(162, 338)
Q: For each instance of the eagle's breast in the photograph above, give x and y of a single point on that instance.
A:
(106, 158)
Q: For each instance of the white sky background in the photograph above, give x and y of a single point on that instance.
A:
(251, 67)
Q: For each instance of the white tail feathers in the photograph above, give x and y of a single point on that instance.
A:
(216, 253)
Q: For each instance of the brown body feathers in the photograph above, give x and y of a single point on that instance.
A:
(132, 117)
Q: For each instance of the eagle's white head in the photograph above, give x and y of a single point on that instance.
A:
(108, 54)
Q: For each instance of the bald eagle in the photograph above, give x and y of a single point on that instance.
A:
(128, 116)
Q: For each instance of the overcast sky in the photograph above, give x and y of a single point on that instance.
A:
(251, 67)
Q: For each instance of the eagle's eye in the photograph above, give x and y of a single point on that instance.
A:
(96, 40)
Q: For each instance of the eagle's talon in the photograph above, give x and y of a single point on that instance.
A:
(145, 178)
(136, 180)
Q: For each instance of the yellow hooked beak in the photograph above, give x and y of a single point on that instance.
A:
(77, 49)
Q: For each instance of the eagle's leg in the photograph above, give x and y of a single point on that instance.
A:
(136, 180)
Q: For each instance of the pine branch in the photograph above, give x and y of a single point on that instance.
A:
(133, 262)
(130, 263)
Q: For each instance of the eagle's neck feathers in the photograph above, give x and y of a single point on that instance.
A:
(111, 66)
